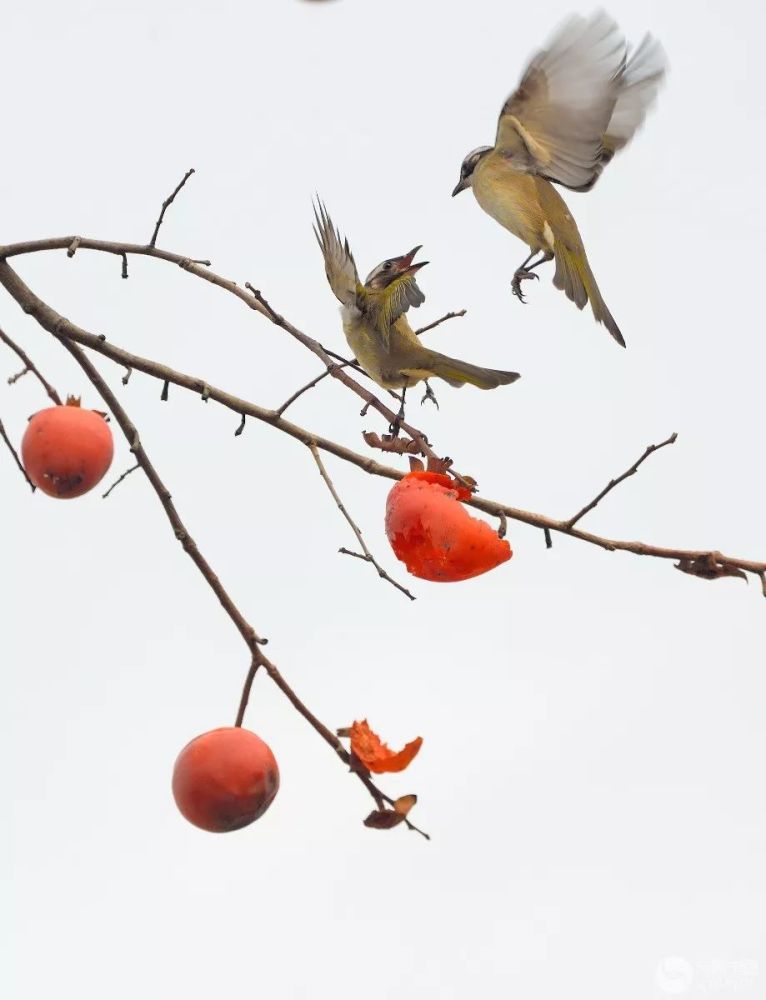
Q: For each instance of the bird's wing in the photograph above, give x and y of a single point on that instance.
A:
(338, 260)
(642, 79)
(394, 301)
(554, 123)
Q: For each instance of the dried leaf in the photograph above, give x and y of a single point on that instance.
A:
(397, 445)
(404, 803)
(376, 755)
(383, 819)
(707, 567)
(416, 465)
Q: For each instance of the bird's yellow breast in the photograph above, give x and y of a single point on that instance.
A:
(510, 197)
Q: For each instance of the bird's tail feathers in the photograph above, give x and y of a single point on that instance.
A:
(575, 278)
(459, 373)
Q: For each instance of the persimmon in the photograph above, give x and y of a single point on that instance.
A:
(433, 534)
(225, 779)
(67, 450)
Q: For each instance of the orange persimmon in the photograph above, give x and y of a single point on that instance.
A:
(225, 779)
(66, 450)
(433, 534)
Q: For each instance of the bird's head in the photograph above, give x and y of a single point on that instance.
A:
(390, 270)
(468, 166)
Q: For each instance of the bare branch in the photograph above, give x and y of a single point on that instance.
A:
(442, 319)
(252, 639)
(52, 321)
(367, 556)
(117, 482)
(30, 367)
(615, 482)
(165, 205)
(16, 458)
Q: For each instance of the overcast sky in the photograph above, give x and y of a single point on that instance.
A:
(593, 723)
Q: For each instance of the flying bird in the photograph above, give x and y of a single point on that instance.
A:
(580, 100)
(375, 324)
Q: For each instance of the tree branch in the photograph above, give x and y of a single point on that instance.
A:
(252, 639)
(31, 367)
(367, 556)
(50, 320)
(615, 482)
(254, 301)
(165, 205)
(16, 458)
(442, 319)
(117, 482)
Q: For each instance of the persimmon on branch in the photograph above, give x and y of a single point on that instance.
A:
(706, 563)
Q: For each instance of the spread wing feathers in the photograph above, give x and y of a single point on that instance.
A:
(338, 260)
(643, 77)
(393, 302)
(554, 123)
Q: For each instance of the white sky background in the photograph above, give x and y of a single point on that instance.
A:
(592, 771)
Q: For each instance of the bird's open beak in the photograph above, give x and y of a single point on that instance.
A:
(405, 265)
(460, 186)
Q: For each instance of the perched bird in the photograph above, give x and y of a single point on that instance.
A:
(374, 321)
(579, 102)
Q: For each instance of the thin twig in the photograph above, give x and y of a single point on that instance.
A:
(117, 482)
(615, 482)
(16, 458)
(305, 388)
(438, 322)
(31, 367)
(502, 530)
(246, 688)
(165, 205)
(124, 271)
(14, 378)
(368, 556)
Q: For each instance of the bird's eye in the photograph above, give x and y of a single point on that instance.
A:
(387, 266)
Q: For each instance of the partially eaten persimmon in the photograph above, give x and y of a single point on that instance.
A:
(434, 535)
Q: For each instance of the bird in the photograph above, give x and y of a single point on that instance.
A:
(374, 321)
(580, 100)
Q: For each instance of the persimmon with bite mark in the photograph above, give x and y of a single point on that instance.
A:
(434, 535)
(67, 450)
(225, 779)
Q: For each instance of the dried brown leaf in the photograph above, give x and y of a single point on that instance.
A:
(404, 804)
(384, 819)
(707, 567)
(397, 445)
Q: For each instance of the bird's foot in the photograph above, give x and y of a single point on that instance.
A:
(396, 425)
(522, 274)
(429, 394)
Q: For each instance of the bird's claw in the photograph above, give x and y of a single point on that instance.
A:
(396, 425)
(521, 275)
(429, 394)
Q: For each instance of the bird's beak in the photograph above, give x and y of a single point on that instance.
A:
(405, 265)
(460, 186)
